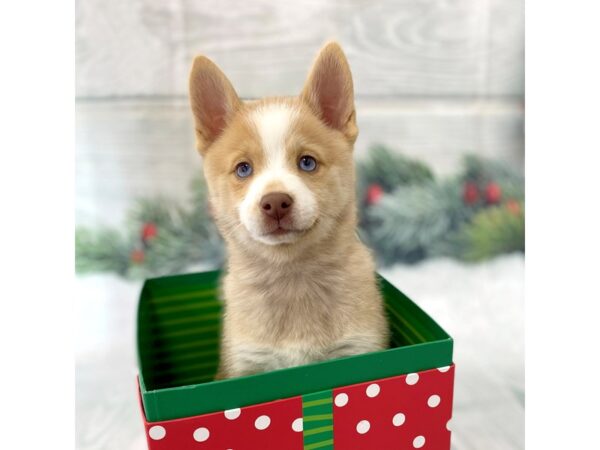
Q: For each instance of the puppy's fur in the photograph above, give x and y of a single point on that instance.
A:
(301, 288)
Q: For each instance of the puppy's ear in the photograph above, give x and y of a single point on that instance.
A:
(329, 91)
(213, 100)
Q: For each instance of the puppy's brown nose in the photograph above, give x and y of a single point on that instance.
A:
(276, 205)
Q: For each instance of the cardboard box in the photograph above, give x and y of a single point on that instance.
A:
(399, 398)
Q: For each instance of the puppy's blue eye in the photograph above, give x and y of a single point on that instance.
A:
(243, 170)
(307, 163)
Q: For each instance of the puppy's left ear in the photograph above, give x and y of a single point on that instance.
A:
(329, 91)
(213, 100)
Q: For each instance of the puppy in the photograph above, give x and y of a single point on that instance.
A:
(299, 287)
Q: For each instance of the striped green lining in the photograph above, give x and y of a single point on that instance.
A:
(179, 334)
(210, 294)
(190, 331)
(317, 412)
(206, 318)
(188, 307)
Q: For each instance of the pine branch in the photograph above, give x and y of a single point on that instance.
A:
(390, 170)
(403, 225)
(186, 236)
(483, 171)
(492, 232)
(105, 250)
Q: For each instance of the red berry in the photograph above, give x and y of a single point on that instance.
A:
(493, 193)
(149, 231)
(137, 256)
(513, 206)
(470, 193)
(374, 194)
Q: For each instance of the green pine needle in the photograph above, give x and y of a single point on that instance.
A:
(390, 170)
(105, 250)
(492, 232)
(404, 224)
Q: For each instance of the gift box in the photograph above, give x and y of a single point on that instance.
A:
(398, 398)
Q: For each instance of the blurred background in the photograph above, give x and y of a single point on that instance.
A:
(439, 90)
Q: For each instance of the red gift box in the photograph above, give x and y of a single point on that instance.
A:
(399, 398)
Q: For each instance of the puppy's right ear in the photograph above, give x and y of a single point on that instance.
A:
(213, 100)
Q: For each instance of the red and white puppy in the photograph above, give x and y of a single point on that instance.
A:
(300, 286)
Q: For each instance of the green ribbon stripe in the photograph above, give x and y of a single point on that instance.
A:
(317, 411)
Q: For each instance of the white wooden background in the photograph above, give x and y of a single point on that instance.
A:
(409, 48)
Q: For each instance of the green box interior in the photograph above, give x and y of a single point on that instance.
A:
(178, 348)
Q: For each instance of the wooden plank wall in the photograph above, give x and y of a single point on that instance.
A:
(414, 48)
(433, 78)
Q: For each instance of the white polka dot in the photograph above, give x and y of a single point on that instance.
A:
(412, 378)
(298, 424)
(449, 425)
(419, 442)
(363, 426)
(201, 434)
(157, 432)
(444, 369)
(233, 414)
(434, 401)
(341, 400)
(262, 423)
(373, 390)
(398, 419)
